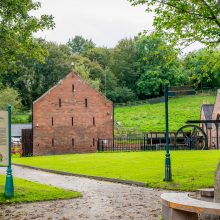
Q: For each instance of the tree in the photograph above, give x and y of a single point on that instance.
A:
(123, 63)
(12, 97)
(203, 68)
(186, 21)
(16, 28)
(32, 78)
(157, 63)
(100, 55)
(84, 72)
(80, 45)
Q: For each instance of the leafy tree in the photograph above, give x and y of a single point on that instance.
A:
(100, 55)
(84, 72)
(123, 63)
(121, 94)
(158, 63)
(32, 78)
(10, 96)
(186, 21)
(16, 29)
(203, 68)
(80, 45)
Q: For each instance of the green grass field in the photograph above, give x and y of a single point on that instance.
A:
(26, 191)
(191, 169)
(151, 117)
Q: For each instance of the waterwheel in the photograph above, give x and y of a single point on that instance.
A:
(191, 137)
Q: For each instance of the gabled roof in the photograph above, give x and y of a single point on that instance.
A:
(208, 110)
(16, 129)
(60, 82)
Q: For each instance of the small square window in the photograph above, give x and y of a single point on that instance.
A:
(60, 103)
(86, 103)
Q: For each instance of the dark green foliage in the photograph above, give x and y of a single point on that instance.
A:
(157, 63)
(123, 63)
(121, 94)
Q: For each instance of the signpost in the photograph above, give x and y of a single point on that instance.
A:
(5, 150)
(168, 174)
(172, 91)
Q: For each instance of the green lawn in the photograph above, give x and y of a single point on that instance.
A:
(26, 191)
(150, 117)
(191, 169)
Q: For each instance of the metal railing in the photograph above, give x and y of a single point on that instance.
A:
(144, 143)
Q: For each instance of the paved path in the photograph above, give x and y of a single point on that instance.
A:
(101, 200)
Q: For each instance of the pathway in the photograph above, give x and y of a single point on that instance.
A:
(101, 200)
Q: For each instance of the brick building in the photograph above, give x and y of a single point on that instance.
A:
(212, 112)
(70, 117)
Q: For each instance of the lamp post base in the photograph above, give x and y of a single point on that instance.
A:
(9, 185)
(168, 174)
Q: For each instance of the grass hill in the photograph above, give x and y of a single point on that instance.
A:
(151, 117)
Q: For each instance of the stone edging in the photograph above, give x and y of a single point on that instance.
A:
(112, 180)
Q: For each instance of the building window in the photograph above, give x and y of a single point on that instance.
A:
(73, 142)
(52, 121)
(72, 121)
(93, 141)
(60, 103)
(52, 142)
(73, 88)
(93, 121)
(86, 103)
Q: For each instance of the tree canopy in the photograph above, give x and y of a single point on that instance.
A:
(17, 26)
(186, 21)
(80, 45)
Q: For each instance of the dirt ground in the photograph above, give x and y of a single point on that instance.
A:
(101, 200)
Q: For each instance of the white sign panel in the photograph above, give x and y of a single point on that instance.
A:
(4, 145)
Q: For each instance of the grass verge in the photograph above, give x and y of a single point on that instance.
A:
(191, 169)
(27, 191)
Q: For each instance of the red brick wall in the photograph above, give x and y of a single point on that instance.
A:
(72, 106)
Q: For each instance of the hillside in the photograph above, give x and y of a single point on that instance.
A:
(151, 117)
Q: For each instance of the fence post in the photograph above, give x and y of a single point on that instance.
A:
(144, 144)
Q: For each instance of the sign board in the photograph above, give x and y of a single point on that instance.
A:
(4, 138)
(181, 91)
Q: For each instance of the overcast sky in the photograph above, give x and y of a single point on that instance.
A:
(104, 21)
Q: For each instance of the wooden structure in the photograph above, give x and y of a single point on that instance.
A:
(27, 142)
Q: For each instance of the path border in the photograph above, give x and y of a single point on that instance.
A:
(112, 180)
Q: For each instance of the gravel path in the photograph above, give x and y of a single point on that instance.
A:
(101, 200)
